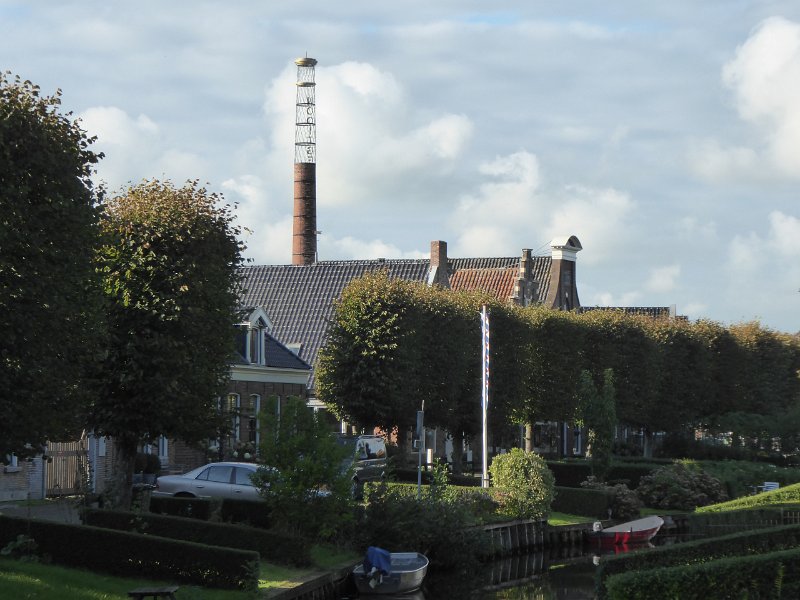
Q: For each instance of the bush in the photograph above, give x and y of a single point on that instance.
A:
(196, 508)
(136, 555)
(680, 486)
(625, 504)
(525, 484)
(735, 544)
(771, 575)
(272, 546)
(478, 502)
(630, 471)
(438, 525)
(787, 495)
(579, 501)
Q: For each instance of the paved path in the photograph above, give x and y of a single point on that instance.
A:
(61, 510)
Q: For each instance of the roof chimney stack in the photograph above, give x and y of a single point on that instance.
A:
(304, 230)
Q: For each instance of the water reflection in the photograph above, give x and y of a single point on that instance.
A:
(564, 573)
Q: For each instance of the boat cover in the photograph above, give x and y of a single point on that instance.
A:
(378, 559)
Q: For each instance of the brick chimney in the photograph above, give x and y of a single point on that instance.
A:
(525, 287)
(438, 273)
(563, 292)
(304, 230)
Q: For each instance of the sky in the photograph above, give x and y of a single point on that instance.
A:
(664, 135)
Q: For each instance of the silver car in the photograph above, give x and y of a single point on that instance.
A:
(217, 480)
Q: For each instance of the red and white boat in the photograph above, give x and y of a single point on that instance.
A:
(632, 532)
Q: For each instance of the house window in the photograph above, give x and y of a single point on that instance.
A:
(163, 449)
(234, 405)
(250, 414)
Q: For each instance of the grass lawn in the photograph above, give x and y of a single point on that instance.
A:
(30, 580)
(557, 518)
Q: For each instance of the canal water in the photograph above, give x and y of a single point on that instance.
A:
(565, 573)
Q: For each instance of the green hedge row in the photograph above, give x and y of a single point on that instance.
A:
(714, 523)
(406, 475)
(582, 501)
(230, 511)
(784, 495)
(136, 555)
(573, 473)
(726, 546)
(771, 575)
(272, 546)
(574, 501)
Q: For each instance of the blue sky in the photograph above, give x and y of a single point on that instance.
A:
(666, 136)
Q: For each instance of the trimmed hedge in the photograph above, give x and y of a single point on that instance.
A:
(272, 546)
(230, 511)
(405, 475)
(573, 473)
(133, 554)
(785, 495)
(771, 575)
(582, 501)
(196, 508)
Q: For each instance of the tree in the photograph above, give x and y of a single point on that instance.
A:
(49, 295)
(169, 262)
(597, 412)
(363, 372)
(526, 484)
(306, 482)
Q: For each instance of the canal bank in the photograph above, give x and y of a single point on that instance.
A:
(512, 543)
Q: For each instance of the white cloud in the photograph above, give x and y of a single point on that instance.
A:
(785, 235)
(351, 248)
(717, 163)
(663, 279)
(368, 137)
(765, 79)
(779, 248)
(745, 255)
(599, 217)
(129, 144)
(502, 209)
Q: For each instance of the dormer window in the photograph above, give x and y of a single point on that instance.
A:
(251, 338)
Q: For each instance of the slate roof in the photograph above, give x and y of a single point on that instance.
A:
(298, 299)
(277, 356)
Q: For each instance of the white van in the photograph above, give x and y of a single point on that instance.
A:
(367, 456)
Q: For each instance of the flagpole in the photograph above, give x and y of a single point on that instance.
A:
(485, 393)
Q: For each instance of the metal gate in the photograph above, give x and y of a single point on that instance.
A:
(68, 469)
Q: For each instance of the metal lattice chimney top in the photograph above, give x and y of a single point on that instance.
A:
(305, 136)
(304, 234)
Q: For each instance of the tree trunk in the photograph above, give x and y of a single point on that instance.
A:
(647, 440)
(120, 492)
(528, 437)
(458, 448)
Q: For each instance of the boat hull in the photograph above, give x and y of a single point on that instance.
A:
(633, 532)
(407, 573)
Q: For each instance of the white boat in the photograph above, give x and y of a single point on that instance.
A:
(405, 574)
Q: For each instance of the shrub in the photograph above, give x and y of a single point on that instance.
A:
(439, 526)
(787, 495)
(680, 486)
(735, 544)
(272, 546)
(196, 508)
(770, 575)
(525, 484)
(136, 555)
(625, 504)
(579, 501)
